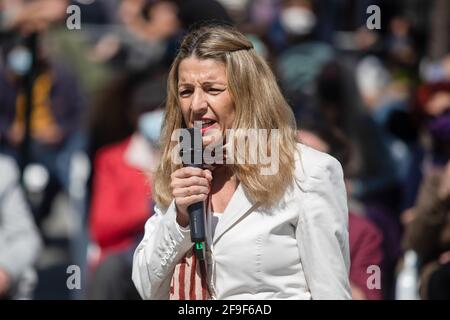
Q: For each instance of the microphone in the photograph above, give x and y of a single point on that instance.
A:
(193, 151)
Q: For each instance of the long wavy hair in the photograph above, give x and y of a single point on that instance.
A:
(259, 104)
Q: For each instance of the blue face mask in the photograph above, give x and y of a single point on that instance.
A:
(19, 60)
(150, 124)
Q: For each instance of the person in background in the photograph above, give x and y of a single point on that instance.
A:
(428, 231)
(432, 111)
(428, 234)
(56, 100)
(20, 243)
(122, 192)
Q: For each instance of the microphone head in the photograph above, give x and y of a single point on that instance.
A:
(196, 137)
(192, 150)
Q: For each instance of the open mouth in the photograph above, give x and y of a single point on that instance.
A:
(207, 123)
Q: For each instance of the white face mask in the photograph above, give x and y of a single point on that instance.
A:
(149, 125)
(297, 20)
(19, 60)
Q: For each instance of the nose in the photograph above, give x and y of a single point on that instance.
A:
(199, 105)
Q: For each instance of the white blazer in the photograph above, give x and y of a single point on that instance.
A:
(298, 250)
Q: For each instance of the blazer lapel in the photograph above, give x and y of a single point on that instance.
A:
(236, 209)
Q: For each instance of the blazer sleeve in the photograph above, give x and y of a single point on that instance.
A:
(322, 232)
(155, 258)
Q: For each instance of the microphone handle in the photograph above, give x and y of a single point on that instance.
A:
(198, 229)
(197, 225)
(197, 221)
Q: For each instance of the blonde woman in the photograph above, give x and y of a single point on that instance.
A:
(270, 235)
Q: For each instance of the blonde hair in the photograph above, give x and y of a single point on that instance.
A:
(259, 104)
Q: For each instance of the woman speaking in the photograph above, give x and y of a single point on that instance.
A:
(270, 235)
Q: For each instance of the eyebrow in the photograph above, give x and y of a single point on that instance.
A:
(209, 82)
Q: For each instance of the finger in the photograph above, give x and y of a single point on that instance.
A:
(207, 140)
(187, 182)
(187, 172)
(190, 191)
(186, 201)
(208, 175)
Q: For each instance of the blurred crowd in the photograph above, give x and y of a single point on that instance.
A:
(81, 111)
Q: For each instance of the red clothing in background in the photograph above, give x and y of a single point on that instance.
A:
(365, 250)
(121, 200)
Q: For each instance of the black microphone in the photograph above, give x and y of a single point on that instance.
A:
(192, 156)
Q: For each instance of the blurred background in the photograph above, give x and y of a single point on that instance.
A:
(82, 91)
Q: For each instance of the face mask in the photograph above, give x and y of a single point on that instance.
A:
(439, 127)
(297, 20)
(19, 60)
(150, 124)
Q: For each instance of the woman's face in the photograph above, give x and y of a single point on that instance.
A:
(204, 96)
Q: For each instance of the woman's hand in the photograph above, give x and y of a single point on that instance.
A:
(189, 185)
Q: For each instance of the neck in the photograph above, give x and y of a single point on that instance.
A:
(223, 169)
(223, 175)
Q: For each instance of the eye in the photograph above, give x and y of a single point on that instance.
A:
(214, 90)
(185, 93)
